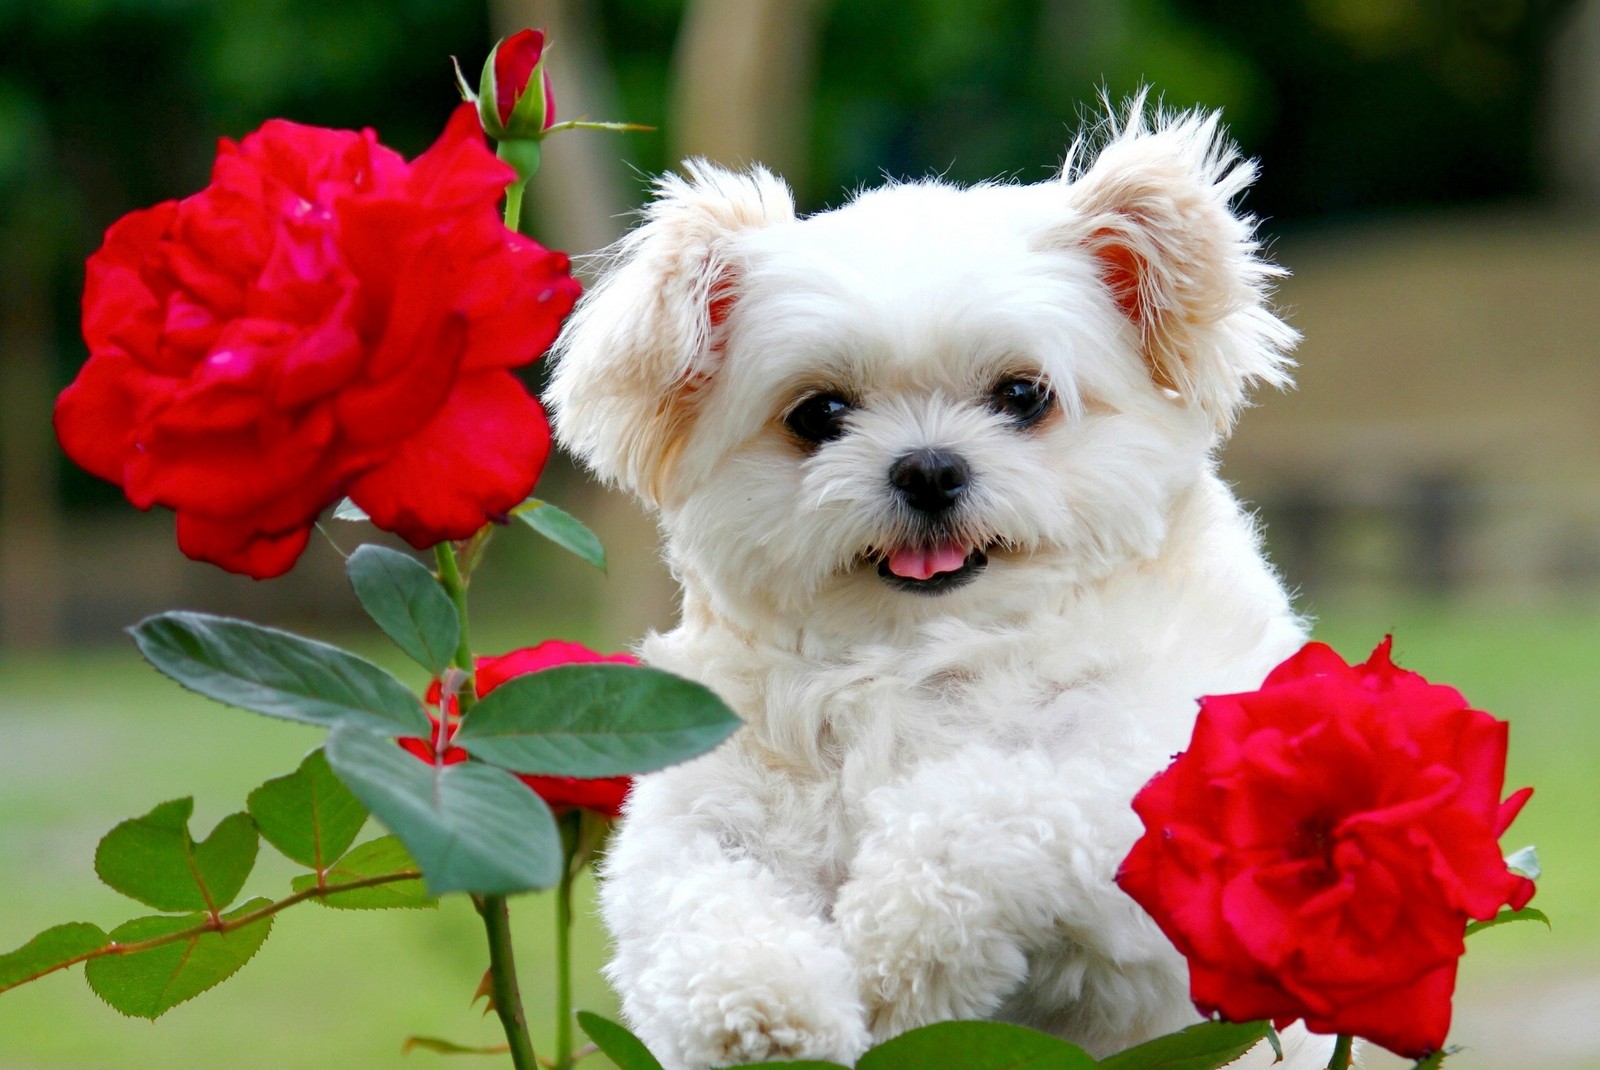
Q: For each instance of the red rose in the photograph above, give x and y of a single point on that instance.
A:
(603, 796)
(1321, 846)
(517, 67)
(324, 319)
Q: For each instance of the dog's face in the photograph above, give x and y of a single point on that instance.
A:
(932, 400)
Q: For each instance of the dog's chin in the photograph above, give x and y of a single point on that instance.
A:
(929, 572)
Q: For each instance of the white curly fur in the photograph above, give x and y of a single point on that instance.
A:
(924, 814)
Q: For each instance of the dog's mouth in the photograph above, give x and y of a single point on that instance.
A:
(932, 569)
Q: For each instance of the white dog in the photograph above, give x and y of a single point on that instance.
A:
(935, 471)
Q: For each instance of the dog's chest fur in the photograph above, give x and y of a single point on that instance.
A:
(1102, 683)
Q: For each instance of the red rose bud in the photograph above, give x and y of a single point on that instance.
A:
(514, 99)
(1318, 850)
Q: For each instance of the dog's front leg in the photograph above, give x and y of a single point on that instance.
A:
(976, 864)
(717, 958)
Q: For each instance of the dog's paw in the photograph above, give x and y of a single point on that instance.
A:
(924, 952)
(749, 1008)
(756, 1024)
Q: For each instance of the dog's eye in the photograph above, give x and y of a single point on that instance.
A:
(819, 418)
(1024, 400)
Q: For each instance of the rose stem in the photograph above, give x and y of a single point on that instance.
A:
(496, 914)
(1341, 1053)
(503, 981)
(571, 829)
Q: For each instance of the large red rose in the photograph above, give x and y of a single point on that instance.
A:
(324, 319)
(1319, 849)
(603, 795)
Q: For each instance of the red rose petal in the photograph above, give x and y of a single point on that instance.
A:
(480, 456)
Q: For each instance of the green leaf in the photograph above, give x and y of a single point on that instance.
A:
(1524, 863)
(147, 984)
(440, 1046)
(802, 1064)
(595, 721)
(1507, 916)
(349, 510)
(56, 947)
(309, 815)
(975, 1046)
(375, 858)
(618, 1045)
(405, 600)
(154, 859)
(563, 529)
(471, 827)
(1205, 1046)
(276, 673)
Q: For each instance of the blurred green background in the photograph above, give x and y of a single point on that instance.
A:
(1431, 176)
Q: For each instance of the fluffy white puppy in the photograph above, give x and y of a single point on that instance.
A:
(935, 471)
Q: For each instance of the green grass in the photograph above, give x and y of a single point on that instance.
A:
(90, 738)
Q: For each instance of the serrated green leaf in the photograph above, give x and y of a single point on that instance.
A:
(1507, 916)
(1525, 863)
(440, 1046)
(1205, 1046)
(595, 721)
(56, 947)
(349, 510)
(563, 529)
(154, 859)
(375, 858)
(309, 814)
(276, 673)
(147, 984)
(618, 1045)
(470, 827)
(405, 600)
(976, 1046)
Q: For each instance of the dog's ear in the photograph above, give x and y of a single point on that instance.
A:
(1155, 209)
(647, 338)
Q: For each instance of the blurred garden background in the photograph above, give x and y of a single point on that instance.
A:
(1431, 176)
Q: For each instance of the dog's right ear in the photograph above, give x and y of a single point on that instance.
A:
(647, 338)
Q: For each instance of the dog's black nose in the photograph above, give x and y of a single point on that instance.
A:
(931, 481)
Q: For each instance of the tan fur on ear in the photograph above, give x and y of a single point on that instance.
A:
(644, 342)
(1155, 209)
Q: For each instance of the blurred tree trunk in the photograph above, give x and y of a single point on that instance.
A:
(743, 74)
(581, 194)
(580, 198)
(31, 527)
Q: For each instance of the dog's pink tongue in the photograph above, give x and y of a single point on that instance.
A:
(924, 564)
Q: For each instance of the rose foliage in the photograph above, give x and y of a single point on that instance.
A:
(324, 319)
(603, 795)
(1320, 848)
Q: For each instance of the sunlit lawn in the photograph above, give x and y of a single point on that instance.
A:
(91, 738)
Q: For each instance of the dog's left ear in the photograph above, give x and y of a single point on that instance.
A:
(645, 342)
(1155, 210)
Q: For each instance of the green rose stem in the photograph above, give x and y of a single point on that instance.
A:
(1341, 1053)
(494, 910)
(571, 835)
(220, 925)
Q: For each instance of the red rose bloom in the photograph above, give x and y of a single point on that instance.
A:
(1321, 846)
(603, 795)
(324, 319)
